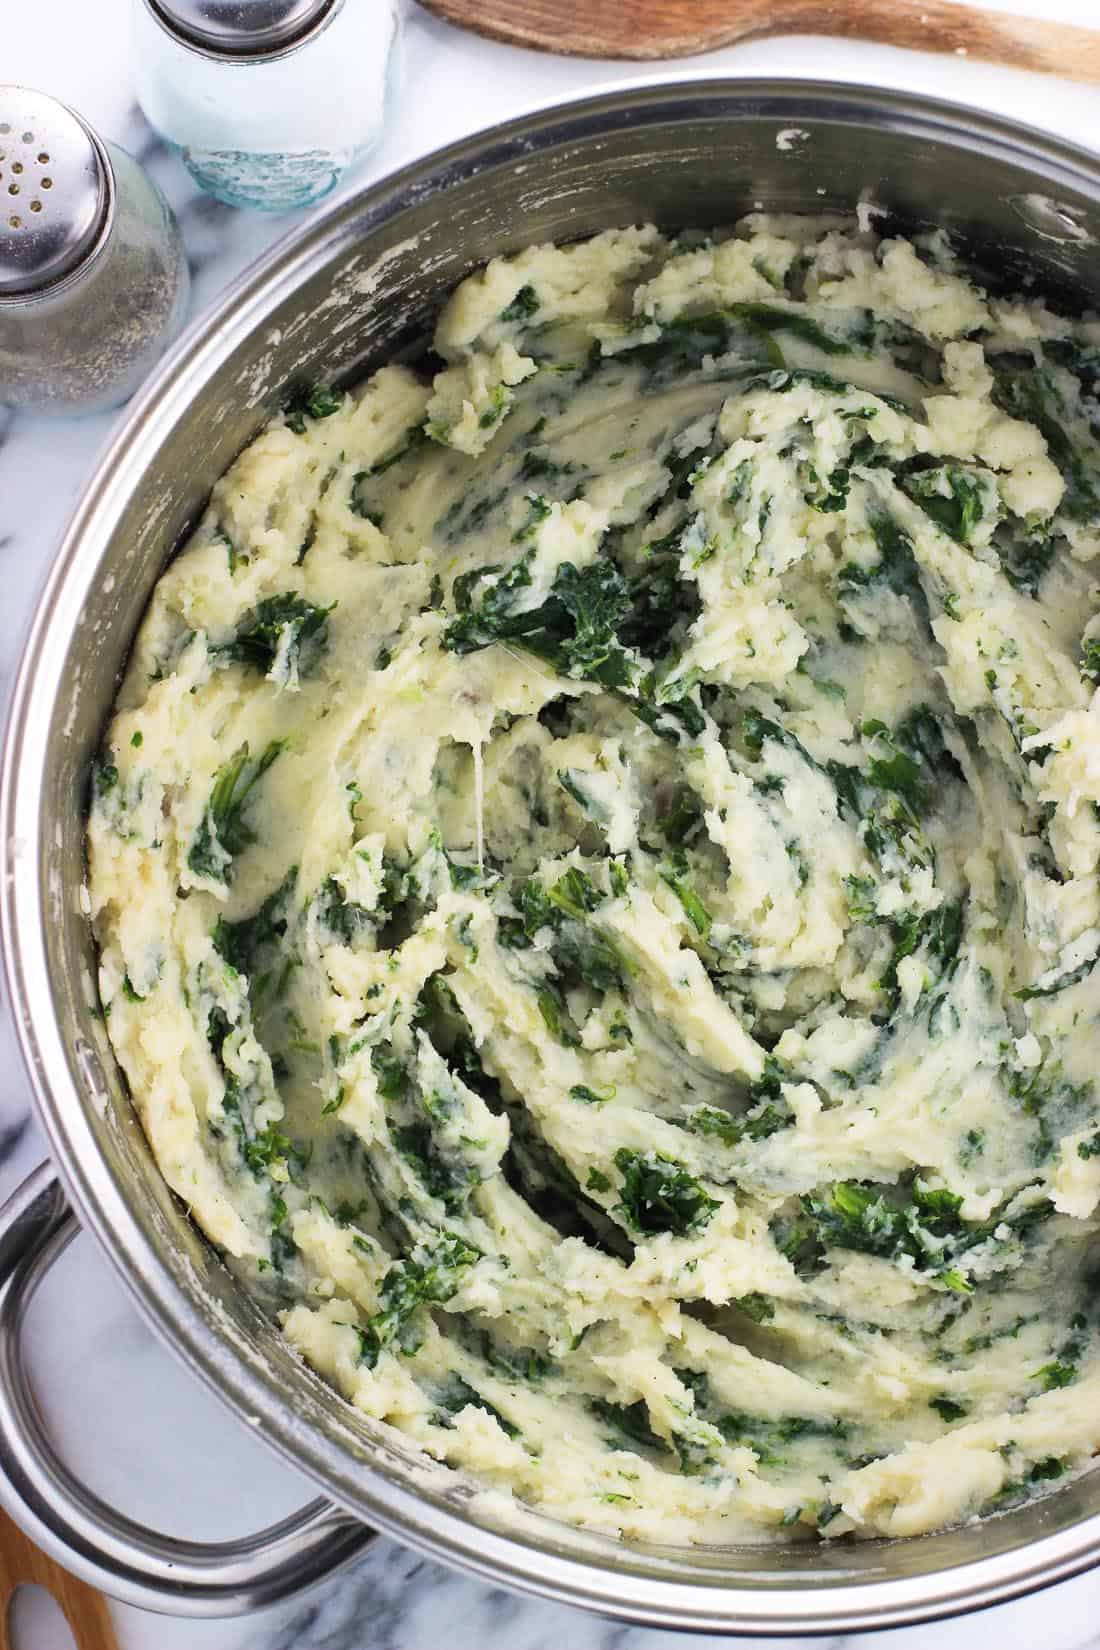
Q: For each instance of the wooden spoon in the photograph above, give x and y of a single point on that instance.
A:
(85, 1610)
(680, 28)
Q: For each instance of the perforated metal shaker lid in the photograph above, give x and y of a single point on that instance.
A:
(240, 28)
(54, 191)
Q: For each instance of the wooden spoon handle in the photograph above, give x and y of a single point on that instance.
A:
(85, 1609)
(675, 28)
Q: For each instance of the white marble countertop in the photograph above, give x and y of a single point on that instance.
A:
(125, 1413)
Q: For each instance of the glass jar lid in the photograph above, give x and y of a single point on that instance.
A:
(54, 191)
(240, 28)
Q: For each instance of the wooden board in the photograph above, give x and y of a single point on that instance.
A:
(676, 28)
(84, 1609)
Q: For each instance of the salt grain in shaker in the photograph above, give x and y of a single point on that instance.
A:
(267, 102)
(93, 280)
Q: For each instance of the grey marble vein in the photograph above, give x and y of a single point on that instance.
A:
(13, 1133)
(395, 1600)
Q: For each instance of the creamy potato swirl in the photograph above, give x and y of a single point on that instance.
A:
(595, 867)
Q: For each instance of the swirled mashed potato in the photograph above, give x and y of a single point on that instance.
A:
(595, 863)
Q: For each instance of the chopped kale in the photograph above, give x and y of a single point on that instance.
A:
(763, 1120)
(234, 556)
(917, 1220)
(270, 1146)
(683, 344)
(683, 817)
(861, 899)
(357, 499)
(491, 621)
(660, 601)
(780, 382)
(659, 1195)
(892, 769)
(104, 778)
(596, 599)
(391, 1072)
(1030, 393)
(587, 629)
(556, 1017)
(571, 781)
(769, 318)
(1047, 1095)
(538, 511)
(670, 715)
(242, 943)
(921, 732)
(755, 728)
(224, 830)
(675, 874)
(282, 1245)
(1062, 982)
(948, 1409)
(629, 1423)
(1026, 557)
(1055, 1375)
(523, 305)
(499, 400)
(343, 917)
(713, 1123)
(286, 628)
(445, 1174)
(831, 494)
(428, 1278)
(951, 496)
(573, 896)
(317, 402)
(895, 570)
(769, 1439)
(458, 1395)
(579, 947)
(538, 466)
(760, 1308)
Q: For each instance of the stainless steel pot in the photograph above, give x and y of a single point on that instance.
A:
(336, 298)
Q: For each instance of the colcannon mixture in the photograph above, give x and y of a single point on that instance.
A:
(596, 870)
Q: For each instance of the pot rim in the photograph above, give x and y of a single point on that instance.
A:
(819, 1604)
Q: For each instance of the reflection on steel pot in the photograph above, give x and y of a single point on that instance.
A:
(332, 302)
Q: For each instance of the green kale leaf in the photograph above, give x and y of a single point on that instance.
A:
(429, 1278)
(224, 830)
(659, 1195)
(284, 627)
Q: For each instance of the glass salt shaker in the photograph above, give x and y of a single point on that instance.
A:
(93, 279)
(267, 102)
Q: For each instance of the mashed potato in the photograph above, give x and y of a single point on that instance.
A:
(595, 866)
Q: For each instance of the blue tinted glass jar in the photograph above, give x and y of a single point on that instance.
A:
(267, 102)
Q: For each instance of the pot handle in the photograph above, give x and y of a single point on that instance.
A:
(85, 1535)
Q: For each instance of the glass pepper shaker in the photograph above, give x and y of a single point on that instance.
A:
(267, 102)
(93, 279)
